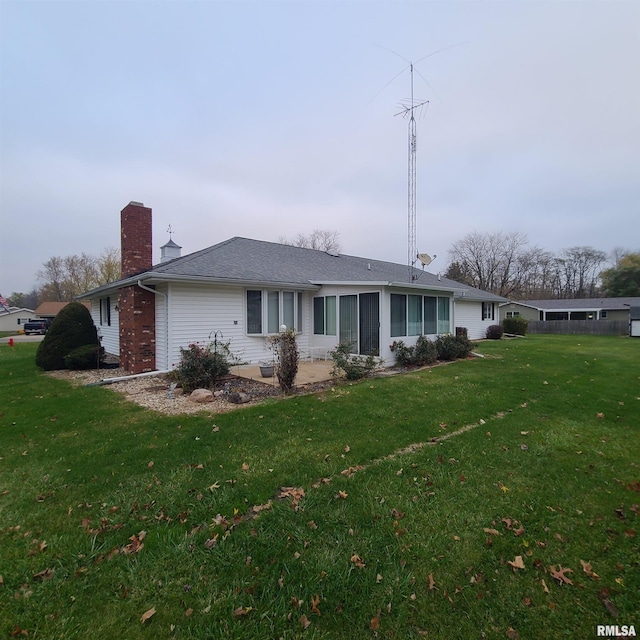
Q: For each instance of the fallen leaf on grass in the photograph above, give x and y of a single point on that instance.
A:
(147, 614)
(188, 612)
(375, 622)
(304, 621)
(491, 532)
(18, 631)
(586, 567)
(136, 543)
(558, 574)
(44, 575)
(432, 583)
(315, 601)
(516, 563)
(604, 596)
(513, 634)
(341, 495)
(239, 612)
(544, 586)
(295, 493)
(357, 560)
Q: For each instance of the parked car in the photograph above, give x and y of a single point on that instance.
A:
(40, 326)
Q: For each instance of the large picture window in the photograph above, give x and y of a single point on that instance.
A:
(413, 315)
(272, 309)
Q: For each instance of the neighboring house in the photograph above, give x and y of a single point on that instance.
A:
(49, 310)
(245, 290)
(582, 309)
(13, 318)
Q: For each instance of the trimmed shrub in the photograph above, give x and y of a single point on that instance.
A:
(285, 348)
(201, 366)
(424, 352)
(71, 328)
(517, 325)
(353, 366)
(85, 357)
(403, 354)
(494, 332)
(453, 347)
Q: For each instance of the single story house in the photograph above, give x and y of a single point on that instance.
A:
(243, 291)
(582, 309)
(49, 310)
(12, 318)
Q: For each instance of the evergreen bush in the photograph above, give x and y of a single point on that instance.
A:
(85, 357)
(517, 326)
(70, 329)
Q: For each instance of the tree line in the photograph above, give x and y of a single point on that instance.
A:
(61, 279)
(505, 264)
(501, 263)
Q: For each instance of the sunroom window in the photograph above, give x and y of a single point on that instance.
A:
(324, 315)
(272, 309)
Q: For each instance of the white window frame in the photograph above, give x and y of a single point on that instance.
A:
(105, 312)
(267, 297)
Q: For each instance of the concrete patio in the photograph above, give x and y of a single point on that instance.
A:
(308, 372)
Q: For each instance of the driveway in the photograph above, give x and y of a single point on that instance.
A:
(22, 338)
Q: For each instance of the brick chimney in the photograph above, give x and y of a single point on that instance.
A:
(137, 307)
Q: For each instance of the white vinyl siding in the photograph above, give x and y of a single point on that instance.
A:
(109, 333)
(469, 315)
(197, 312)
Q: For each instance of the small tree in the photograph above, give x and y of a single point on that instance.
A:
(71, 328)
(285, 348)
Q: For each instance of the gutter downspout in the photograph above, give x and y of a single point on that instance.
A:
(166, 314)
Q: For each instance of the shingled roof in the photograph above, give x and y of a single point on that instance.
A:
(245, 261)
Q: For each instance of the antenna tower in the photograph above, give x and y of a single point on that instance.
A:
(408, 109)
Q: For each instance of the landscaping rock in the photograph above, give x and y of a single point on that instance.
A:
(239, 397)
(201, 395)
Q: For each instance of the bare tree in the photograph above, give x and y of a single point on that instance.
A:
(491, 261)
(579, 269)
(64, 278)
(320, 239)
(108, 266)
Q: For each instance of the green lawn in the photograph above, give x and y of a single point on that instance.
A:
(525, 525)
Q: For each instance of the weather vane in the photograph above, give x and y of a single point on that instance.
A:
(170, 231)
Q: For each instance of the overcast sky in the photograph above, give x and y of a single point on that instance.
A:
(273, 118)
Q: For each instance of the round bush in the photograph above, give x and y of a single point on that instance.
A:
(494, 332)
(71, 328)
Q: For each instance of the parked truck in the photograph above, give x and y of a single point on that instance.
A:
(40, 326)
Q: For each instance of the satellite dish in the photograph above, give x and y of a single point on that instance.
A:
(426, 259)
